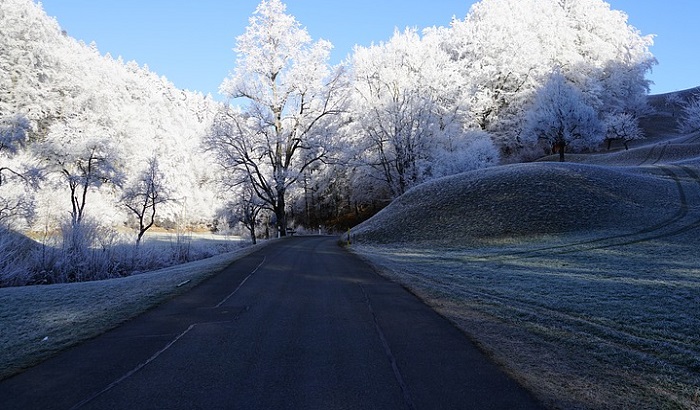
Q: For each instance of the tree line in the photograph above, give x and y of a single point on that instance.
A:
(510, 82)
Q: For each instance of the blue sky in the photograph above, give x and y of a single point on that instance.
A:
(191, 42)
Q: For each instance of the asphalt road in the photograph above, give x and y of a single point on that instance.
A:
(301, 324)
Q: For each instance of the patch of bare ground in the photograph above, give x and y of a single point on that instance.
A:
(581, 279)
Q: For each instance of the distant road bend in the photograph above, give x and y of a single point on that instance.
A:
(300, 324)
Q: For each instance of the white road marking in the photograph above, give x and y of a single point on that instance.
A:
(241, 284)
(134, 370)
(161, 351)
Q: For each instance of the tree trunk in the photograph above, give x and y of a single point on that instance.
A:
(251, 229)
(141, 226)
(281, 215)
(138, 238)
(561, 147)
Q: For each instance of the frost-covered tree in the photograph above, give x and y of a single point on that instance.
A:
(622, 127)
(673, 102)
(30, 63)
(82, 158)
(562, 119)
(144, 195)
(507, 48)
(690, 117)
(290, 97)
(13, 137)
(467, 152)
(245, 209)
(14, 200)
(435, 88)
(50, 78)
(407, 109)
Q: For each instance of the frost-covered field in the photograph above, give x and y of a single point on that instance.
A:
(201, 244)
(38, 321)
(583, 326)
(581, 279)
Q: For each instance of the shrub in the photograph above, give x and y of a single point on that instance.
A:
(690, 117)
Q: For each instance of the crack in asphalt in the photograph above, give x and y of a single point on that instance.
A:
(390, 355)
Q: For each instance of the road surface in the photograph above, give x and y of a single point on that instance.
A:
(300, 324)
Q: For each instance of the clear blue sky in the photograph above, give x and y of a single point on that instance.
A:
(190, 42)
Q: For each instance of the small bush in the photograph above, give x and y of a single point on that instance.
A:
(14, 258)
(690, 118)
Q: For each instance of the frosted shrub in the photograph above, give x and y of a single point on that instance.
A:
(14, 267)
(86, 252)
(147, 257)
(89, 252)
(181, 248)
(690, 119)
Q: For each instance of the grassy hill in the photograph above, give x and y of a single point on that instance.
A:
(524, 200)
(581, 278)
(618, 190)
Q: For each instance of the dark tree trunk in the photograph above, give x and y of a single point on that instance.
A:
(251, 229)
(281, 215)
(560, 147)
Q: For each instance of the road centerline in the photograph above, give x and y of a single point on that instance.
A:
(135, 369)
(230, 295)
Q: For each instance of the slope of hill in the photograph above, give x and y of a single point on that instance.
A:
(524, 200)
(581, 279)
(619, 190)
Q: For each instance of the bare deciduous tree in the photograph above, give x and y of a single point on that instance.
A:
(143, 196)
(291, 97)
